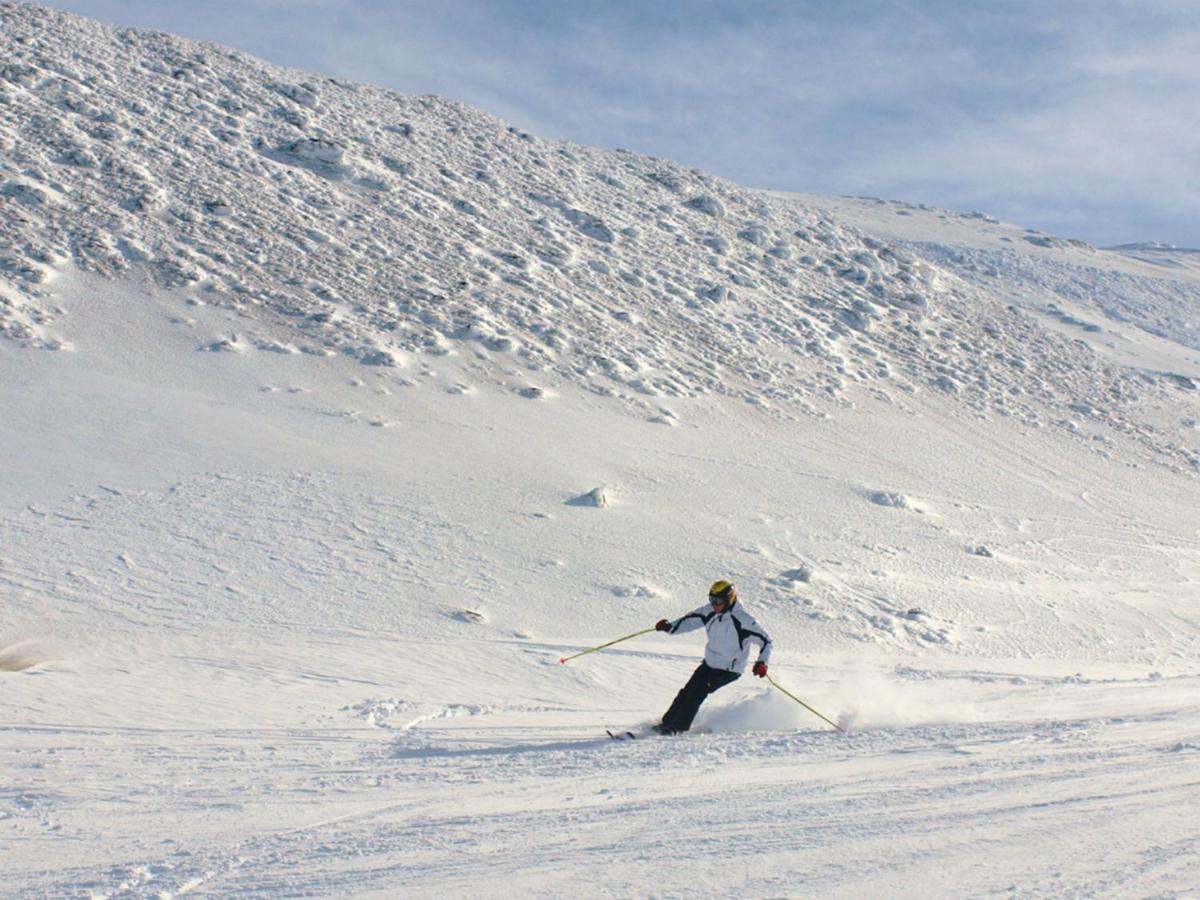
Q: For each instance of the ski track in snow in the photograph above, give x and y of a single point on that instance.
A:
(883, 811)
(365, 409)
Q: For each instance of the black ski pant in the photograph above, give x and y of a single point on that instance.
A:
(703, 682)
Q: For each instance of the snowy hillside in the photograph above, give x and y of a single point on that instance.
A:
(332, 418)
(383, 226)
(1151, 287)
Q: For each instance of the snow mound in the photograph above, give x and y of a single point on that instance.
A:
(890, 499)
(596, 498)
(22, 655)
(801, 574)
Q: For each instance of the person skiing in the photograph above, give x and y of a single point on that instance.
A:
(730, 630)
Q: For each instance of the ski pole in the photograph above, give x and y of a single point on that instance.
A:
(564, 659)
(805, 705)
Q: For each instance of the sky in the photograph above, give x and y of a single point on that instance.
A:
(1075, 118)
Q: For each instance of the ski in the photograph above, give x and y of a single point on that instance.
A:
(621, 735)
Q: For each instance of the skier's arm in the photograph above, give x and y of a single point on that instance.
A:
(750, 629)
(693, 620)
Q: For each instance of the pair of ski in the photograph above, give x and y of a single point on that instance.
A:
(621, 735)
(648, 731)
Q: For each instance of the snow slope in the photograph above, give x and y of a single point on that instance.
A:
(382, 226)
(1129, 304)
(287, 623)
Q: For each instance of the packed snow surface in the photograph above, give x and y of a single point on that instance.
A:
(332, 418)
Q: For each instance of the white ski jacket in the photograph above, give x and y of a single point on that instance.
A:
(729, 636)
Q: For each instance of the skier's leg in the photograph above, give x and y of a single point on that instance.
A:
(718, 678)
(687, 702)
(714, 680)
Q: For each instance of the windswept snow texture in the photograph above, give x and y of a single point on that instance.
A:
(1135, 295)
(383, 226)
(331, 419)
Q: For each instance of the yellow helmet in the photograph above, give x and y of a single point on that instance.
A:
(722, 591)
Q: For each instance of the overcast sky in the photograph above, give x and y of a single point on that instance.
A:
(1078, 118)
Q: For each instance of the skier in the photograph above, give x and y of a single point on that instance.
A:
(730, 630)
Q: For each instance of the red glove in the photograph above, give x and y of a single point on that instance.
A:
(760, 669)
(663, 625)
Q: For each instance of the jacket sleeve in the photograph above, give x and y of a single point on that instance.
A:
(749, 629)
(697, 618)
